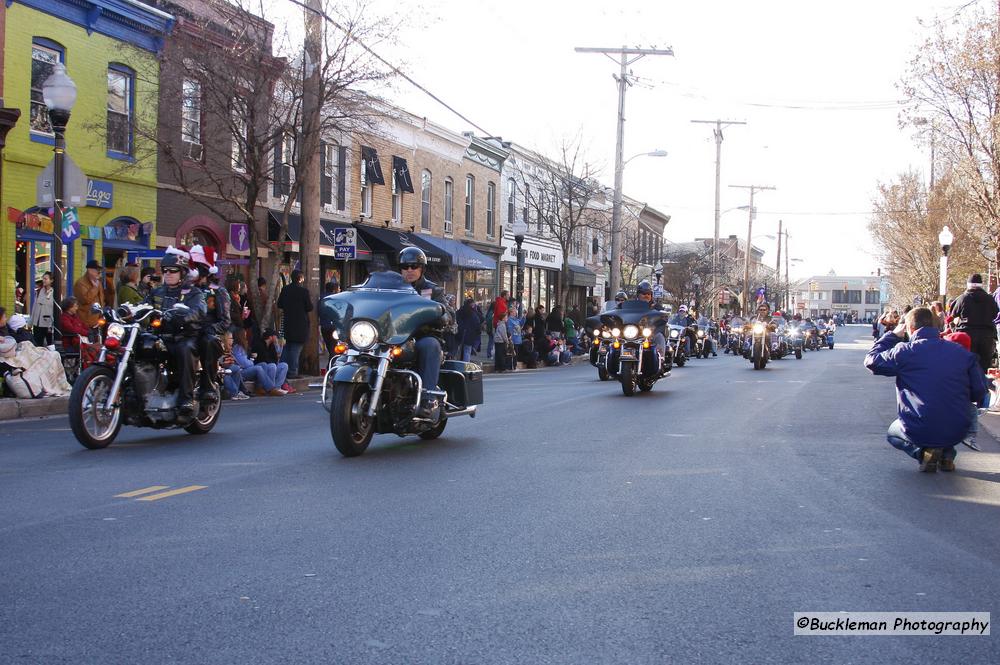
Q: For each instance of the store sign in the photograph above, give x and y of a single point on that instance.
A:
(239, 236)
(535, 254)
(100, 194)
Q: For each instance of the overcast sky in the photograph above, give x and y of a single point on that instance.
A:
(816, 83)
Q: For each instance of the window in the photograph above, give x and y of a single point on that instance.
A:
(425, 200)
(470, 207)
(872, 297)
(449, 200)
(397, 201)
(524, 210)
(852, 297)
(44, 56)
(491, 195)
(284, 158)
(511, 200)
(366, 193)
(240, 135)
(121, 80)
(191, 118)
(329, 156)
(539, 221)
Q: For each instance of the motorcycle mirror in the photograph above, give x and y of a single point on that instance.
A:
(95, 308)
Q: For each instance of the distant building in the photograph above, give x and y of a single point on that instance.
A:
(855, 298)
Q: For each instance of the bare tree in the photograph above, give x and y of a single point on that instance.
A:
(564, 195)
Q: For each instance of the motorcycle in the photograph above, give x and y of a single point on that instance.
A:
(633, 359)
(134, 382)
(677, 345)
(373, 385)
(777, 338)
(811, 336)
(795, 341)
(599, 346)
(759, 351)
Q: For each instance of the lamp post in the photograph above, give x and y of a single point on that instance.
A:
(616, 217)
(945, 238)
(696, 283)
(519, 229)
(59, 95)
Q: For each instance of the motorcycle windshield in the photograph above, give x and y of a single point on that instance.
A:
(636, 312)
(385, 299)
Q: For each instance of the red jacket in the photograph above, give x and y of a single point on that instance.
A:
(499, 309)
(72, 325)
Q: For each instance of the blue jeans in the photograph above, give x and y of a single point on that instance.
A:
(897, 439)
(489, 345)
(275, 373)
(467, 353)
(260, 376)
(429, 361)
(290, 355)
(232, 381)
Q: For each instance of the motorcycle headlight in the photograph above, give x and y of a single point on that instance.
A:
(673, 334)
(701, 333)
(605, 334)
(758, 329)
(615, 332)
(647, 332)
(116, 330)
(631, 332)
(363, 335)
(793, 333)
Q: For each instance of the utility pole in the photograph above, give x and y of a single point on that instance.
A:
(624, 60)
(788, 279)
(719, 124)
(777, 266)
(309, 172)
(746, 260)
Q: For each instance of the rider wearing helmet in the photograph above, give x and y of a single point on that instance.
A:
(183, 307)
(620, 297)
(685, 319)
(644, 292)
(412, 265)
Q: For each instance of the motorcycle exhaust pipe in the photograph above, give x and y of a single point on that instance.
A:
(467, 411)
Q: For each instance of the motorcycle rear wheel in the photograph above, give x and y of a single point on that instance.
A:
(798, 354)
(435, 431)
(645, 385)
(350, 425)
(93, 428)
(628, 381)
(208, 416)
(680, 360)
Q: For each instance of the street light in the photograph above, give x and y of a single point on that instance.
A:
(519, 229)
(945, 238)
(696, 283)
(616, 219)
(59, 95)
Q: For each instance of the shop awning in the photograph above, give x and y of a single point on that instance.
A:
(463, 256)
(390, 241)
(581, 276)
(326, 232)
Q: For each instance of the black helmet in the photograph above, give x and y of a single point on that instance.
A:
(644, 288)
(171, 260)
(412, 255)
(621, 296)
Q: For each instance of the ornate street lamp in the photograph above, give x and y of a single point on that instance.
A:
(945, 238)
(519, 230)
(59, 95)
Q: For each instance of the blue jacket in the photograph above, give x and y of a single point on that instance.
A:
(936, 380)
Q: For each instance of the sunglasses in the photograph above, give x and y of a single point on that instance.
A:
(410, 266)
(171, 270)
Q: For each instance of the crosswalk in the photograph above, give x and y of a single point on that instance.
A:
(157, 492)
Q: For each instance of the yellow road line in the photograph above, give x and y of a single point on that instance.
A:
(179, 490)
(145, 490)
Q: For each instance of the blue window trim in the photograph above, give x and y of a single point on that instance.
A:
(37, 137)
(125, 20)
(130, 73)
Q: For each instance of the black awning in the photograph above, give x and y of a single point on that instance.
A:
(390, 241)
(581, 276)
(292, 233)
(326, 233)
(402, 175)
(373, 169)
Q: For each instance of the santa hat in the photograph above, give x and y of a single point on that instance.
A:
(204, 256)
(210, 258)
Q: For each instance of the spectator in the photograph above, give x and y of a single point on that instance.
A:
(500, 307)
(43, 312)
(70, 324)
(526, 352)
(265, 376)
(470, 325)
(450, 331)
(974, 313)
(576, 316)
(232, 379)
(514, 326)
(549, 350)
(554, 323)
(89, 290)
(258, 316)
(4, 328)
(501, 337)
(146, 278)
(593, 307)
(264, 353)
(19, 330)
(128, 290)
(937, 309)
(295, 304)
(538, 326)
(935, 382)
(571, 334)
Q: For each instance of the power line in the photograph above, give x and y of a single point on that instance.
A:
(326, 17)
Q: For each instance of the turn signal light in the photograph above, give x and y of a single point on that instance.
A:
(101, 322)
(596, 341)
(617, 344)
(396, 351)
(645, 344)
(112, 343)
(156, 323)
(340, 348)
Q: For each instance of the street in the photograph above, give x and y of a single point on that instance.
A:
(565, 524)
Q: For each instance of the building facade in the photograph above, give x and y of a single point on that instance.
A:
(857, 299)
(109, 48)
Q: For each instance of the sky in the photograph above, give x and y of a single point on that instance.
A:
(817, 85)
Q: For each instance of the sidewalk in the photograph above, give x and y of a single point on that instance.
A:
(13, 409)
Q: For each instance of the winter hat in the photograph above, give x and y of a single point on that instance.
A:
(961, 339)
(7, 346)
(17, 321)
(203, 256)
(975, 281)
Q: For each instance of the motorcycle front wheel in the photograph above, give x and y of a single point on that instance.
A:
(798, 354)
(350, 425)
(628, 381)
(602, 374)
(93, 427)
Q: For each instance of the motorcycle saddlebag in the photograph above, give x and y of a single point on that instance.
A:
(463, 382)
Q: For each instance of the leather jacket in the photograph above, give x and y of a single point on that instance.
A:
(184, 321)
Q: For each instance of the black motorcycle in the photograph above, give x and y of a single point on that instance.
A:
(759, 351)
(134, 382)
(633, 359)
(374, 387)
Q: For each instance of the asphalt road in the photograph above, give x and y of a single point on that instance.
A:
(565, 524)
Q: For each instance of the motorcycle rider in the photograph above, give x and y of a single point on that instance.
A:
(183, 307)
(412, 264)
(705, 324)
(763, 316)
(644, 293)
(685, 319)
(217, 319)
